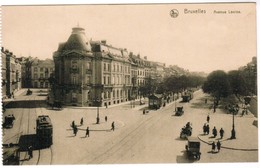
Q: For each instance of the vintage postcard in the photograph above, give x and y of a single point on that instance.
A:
(144, 83)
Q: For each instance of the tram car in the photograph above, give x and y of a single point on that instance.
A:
(187, 96)
(9, 121)
(11, 155)
(44, 130)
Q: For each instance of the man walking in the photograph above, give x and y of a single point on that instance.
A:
(213, 146)
(87, 132)
(218, 146)
(221, 132)
(113, 126)
(208, 118)
(75, 130)
(106, 118)
(214, 132)
(81, 121)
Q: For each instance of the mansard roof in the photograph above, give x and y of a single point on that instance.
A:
(76, 41)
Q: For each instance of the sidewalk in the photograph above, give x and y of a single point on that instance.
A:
(137, 105)
(16, 94)
(246, 134)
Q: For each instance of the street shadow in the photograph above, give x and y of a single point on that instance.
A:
(29, 140)
(212, 152)
(26, 104)
(180, 139)
(183, 158)
(70, 136)
(211, 137)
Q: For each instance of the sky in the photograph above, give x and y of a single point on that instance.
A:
(202, 41)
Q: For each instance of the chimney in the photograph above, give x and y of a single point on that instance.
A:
(138, 55)
(145, 57)
(2, 49)
(104, 42)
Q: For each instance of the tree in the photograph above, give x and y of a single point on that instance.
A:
(27, 79)
(149, 87)
(237, 83)
(217, 84)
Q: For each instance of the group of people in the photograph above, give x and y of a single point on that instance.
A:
(216, 146)
(75, 127)
(206, 130)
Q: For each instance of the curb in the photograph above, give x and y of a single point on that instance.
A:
(241, 149)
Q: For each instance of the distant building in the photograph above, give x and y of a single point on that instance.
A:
(41, 71)
(11, 73)
(4, 71)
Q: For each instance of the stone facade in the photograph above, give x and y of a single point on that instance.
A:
(11, 73)
(40, 73)
(93, 73)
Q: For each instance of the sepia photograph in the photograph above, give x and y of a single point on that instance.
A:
(147, 83)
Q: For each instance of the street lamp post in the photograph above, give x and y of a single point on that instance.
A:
(98, 103)
(175, 99)
(233, 132)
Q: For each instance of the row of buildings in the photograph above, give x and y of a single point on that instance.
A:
(23, 72)
(93, 73)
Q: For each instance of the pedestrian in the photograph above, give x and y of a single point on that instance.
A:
(206, 100)
(144, 112)
(208, 118)
(218, 145)
(81, 121)
(87, 132)
(30, 152)
(106, 118)
(113, 126)
(213, 146)
(221, 133)
(208, 128)
(214, 107)
(106, 105)
(75, 130)
(73, 124)
(204, 129)
(214, 132)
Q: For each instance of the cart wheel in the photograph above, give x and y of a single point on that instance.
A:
(198, 157)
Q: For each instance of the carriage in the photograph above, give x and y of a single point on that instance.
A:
(9, 121)
(187, 96)
(179, 111)
(193, 148)
(29, 92)
(44, 130)
(186, 131)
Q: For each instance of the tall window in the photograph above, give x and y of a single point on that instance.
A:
(104, 80)
(108, 80)
(73, 80)
(108, 67)
(35, 69)
(88, 66)
(105, 66)
(41, 69)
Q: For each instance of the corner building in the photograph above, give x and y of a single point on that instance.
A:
(74, 70)
(91, 73)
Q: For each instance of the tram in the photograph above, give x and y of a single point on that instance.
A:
(44, 130)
